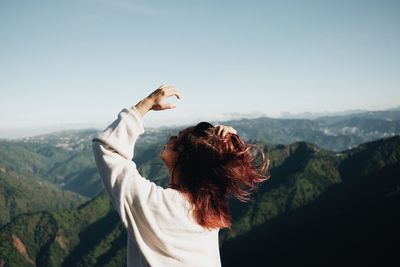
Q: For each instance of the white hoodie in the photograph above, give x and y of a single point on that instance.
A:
(161, 229)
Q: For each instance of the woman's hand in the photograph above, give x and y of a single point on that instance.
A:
(223, 130)
(155, 100)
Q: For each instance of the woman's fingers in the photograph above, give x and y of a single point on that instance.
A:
(169, 90)
(219, 129)
(223, 130)
(167, 106)
(163, 92)
(176, 93)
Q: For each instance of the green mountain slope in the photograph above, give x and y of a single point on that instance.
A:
(89, 235)
(66, 159)
(299, 173)
(28, 193)
(354, 222)
(21, 189)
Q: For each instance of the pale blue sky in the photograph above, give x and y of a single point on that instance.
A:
(78, 63)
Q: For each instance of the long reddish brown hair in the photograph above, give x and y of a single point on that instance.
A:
(212, 169)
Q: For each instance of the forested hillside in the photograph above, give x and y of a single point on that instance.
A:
(319, 208)
(353, 222)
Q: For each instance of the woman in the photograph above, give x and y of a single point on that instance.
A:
(178, 225)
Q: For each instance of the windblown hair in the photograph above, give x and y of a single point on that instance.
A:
(213, 169)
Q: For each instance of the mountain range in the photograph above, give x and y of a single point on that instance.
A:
(336, 131)
(317, 206)
(333, 193)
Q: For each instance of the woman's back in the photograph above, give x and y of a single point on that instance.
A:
(160, 223)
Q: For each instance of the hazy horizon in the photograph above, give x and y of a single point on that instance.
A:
(81, 62)
(25, 132)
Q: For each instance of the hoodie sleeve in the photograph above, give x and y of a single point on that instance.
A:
(113, 152)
